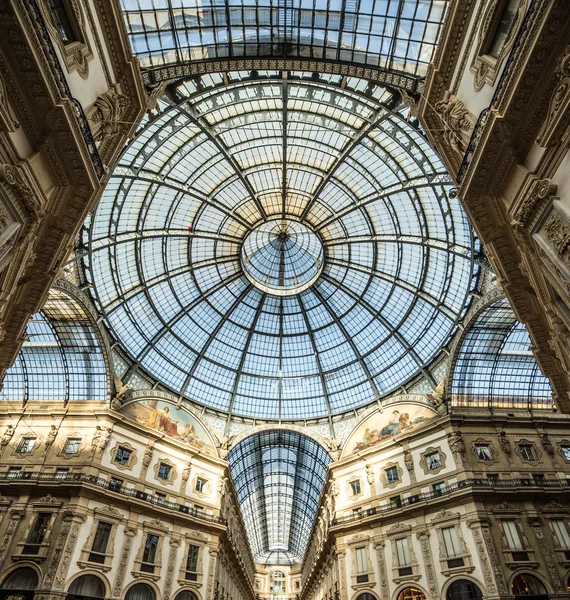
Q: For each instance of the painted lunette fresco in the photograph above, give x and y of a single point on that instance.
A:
(166, 418)
(395, 419)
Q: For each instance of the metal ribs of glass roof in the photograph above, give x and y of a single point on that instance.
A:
(392, 35)
(163, 249)
(496, 367)
(278, 476)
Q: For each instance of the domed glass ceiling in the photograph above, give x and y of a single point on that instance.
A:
(280, 246)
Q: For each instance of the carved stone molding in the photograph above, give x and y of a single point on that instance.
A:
(423, 537)
(555, 128)
(130, 533)
(537, 526)
(536, 194)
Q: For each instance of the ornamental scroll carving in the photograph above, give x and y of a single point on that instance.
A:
(76, 521)
(8, 120)
(14, 176)
(538, 194)
(558, 234)
(558, 120)
(379, 546)
(15, 518)
(423, 537)
(108, 114)
(458, 121)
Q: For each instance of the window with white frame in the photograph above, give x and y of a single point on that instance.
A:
(27, 445)
(72, 446)
(355, 487)
(361, 560)
(452, 547)
(433, 461)
(483, 452)
(512, 535)
(392, 475)
(403, 556)
(192, 563)
(561, 530)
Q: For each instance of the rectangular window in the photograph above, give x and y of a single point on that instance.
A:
(483, 452)
(493, 478)
(192, 563)
(123, 455)
(439, 488)
(37, 533)
(403, 552)
(561, 530)
(115, 484)
(61, 474)
(361, 560)
(198, 510)
(538, 478)
(356, 513)
(511, 531)
(61, 20)
(160, 498)
(433, 461)
(201, 485)
(14, 472)
(100, 542)
(72, 445)
(527, 452)
(451, 543)
(566, 452)
(395, 502)
(392, 475)
(149, 554)
(164, 471)
(27, 445)
(504, 25)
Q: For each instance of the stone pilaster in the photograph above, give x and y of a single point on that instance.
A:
(130, 533)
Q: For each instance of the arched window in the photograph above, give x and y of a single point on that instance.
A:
(24, 578)
(463, 589)
(185, 595)
(61, 357)
(528, 585)
(278, 582)
(366, 596)
(140, 591)
(411, 593)
(86, 586)
(495, 365)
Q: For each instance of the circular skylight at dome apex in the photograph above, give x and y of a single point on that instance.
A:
(280, 247)
(282, 257)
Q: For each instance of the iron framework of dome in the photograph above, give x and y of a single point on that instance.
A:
(384, 248)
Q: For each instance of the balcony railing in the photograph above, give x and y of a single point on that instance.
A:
(502, 484)
(86, 478)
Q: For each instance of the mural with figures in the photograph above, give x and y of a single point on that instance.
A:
(176, 423)
(379, 427)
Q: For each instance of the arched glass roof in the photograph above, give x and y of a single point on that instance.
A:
(392, 35)
(278, 476)
(364, 287)
(60, 359)
(495, 365)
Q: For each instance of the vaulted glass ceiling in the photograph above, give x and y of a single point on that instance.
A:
(280, 245)
(278, 476)
(496, 367)
(392, 35)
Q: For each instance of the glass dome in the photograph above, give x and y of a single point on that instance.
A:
(280, 245)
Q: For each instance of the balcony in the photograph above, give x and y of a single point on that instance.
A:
(468, 484)
(23, 477)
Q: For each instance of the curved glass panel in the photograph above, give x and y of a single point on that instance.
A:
(496, 367)
(278, 476)
(224, 161)
(60, 359)
(394, 35)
